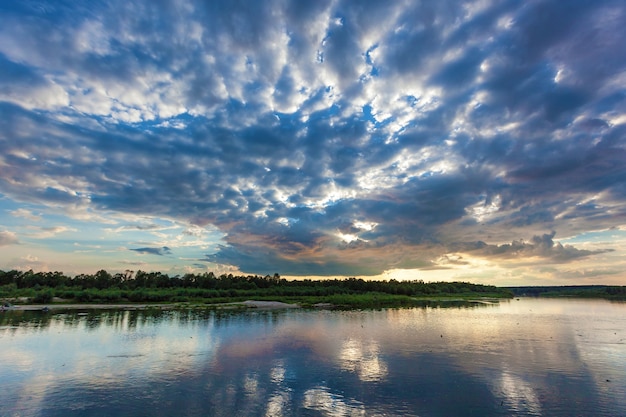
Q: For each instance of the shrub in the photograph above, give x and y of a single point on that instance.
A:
(43, 296)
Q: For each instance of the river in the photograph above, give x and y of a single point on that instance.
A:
(525, 357)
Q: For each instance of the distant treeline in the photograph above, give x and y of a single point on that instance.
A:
(143, 286)
(583, 291)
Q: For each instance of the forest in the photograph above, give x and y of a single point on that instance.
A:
(140, 286)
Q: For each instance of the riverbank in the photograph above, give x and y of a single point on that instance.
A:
(344, 302)
(131, 306)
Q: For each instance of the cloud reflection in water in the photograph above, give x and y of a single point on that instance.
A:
(363, 359)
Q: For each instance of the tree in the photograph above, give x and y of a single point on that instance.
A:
(103, 280)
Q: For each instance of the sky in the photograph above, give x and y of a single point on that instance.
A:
(480, 141)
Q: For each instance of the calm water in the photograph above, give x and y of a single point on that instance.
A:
(521, 357)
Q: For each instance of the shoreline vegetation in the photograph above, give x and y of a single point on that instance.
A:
(34, 290)
(229, 291)
(608, 292)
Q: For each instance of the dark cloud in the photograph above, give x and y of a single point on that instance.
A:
(461, 71)
(14, 74)
(154, 251)
(543, 247)
(254, 258)
(140, 227)
(286, 125)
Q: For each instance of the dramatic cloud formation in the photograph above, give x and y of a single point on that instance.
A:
(315, 137)
(542, 247)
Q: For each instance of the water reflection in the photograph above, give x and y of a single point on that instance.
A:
(519, 395)
(323, 400)
(363, 360)
(528, 357)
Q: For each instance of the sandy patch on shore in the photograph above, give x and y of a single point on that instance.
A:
(268, 304)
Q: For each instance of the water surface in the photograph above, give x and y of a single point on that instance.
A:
(528, 357)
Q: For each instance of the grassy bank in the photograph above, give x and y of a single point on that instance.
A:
(207, 298)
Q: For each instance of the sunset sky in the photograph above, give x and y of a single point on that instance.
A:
(481, 141)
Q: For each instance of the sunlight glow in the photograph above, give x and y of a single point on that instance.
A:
(347, 237)
(365, 225)
(483, 211)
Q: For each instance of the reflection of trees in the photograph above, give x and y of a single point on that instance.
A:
(31, 319)
(122, 319)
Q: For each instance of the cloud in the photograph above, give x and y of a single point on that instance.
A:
(284, 125)
(48, 232)
(8, 238)
(539, 246)
(163, 251)
(26, 214)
